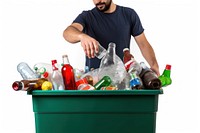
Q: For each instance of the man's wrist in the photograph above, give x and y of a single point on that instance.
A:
(81, 36)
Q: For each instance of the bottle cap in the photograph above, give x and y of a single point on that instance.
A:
(111, 44)
(168, 67)
(126, 49)
(21, 65)
(35, 68)
(45, 74)
(65, 55)
(87, 69)
(42, 70)
(17, 85)
(54, 61)
(89, 79)
(54, 65)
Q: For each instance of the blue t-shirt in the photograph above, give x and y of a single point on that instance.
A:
(116, 27)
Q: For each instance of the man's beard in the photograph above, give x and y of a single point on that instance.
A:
(103, 6)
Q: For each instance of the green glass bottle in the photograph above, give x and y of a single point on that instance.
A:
(104, 82)
(165, 77)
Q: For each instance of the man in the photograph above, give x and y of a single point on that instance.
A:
(106, 23)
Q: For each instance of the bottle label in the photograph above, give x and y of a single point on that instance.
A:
(128, 64)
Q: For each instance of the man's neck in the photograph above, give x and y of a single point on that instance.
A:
(112, 8)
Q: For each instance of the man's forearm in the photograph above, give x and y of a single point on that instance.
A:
(72, 34)
(150, 57)
(147, 52)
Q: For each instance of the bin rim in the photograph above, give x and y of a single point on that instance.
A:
(94, 92)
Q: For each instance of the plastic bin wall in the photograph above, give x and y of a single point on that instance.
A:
(95, 111)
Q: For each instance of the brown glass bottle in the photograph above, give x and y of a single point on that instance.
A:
(149, 78)
(28, 85)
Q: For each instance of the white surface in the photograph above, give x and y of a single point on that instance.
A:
(31, 31)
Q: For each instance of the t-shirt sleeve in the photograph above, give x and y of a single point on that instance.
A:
(137, 27)
(81, 19)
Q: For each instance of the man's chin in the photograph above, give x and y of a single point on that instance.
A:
(102, 9)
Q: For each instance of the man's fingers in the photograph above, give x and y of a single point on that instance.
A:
(96, 47)
(91, 49)
(88, 53)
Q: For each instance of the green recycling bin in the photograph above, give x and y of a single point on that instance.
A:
(76, 111)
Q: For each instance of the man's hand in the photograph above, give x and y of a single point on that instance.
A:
(156, 70)
(89, 44)
(74, 34)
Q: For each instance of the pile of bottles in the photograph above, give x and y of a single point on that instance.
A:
(112, 74)
(46, 76)
(141, 76)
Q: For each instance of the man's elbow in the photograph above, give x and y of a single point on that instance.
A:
(67, 37)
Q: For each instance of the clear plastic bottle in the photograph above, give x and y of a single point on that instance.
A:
(43, 69)
(26, 72)
(135, 81)
(111, 65)
(28, 84)
(101, 53)
(68, 74)
(91, 76)
(56, 77)
(78, 73)
(149, 78)
(133, 68)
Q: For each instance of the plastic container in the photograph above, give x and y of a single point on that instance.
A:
(78, 111)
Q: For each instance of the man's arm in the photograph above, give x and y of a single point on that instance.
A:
(74, 34)
(147, 52)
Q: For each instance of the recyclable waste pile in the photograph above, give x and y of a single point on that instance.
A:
(112, 74)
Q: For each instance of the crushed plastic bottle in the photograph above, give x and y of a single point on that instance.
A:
(111, 65)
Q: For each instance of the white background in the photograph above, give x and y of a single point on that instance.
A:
(31, 31)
